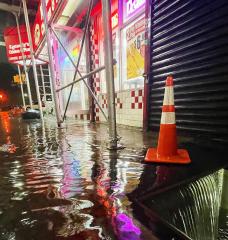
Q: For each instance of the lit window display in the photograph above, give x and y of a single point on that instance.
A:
(79, 98)
(133, 52)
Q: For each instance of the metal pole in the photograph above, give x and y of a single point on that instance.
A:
(32, 57)
(24, 62)
(147, 62)
(49, 72)
(52, 94)
(21, 83)
(106, 16)
(51, 64)
(42, 78)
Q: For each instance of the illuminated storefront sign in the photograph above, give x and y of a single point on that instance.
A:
(131, 7)
(38, 28)
(13, 47)
(115, 19)
(19, 79)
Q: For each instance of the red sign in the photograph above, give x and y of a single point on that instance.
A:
(13, 47)
(115, 19)
(38, 28)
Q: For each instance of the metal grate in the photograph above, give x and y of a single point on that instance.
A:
(189, 41)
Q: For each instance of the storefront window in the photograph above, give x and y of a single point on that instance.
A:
(133, 52)
(79, 97)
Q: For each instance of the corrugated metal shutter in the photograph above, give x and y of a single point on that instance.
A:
(190, 41)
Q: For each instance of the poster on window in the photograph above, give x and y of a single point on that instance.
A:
(135, 36)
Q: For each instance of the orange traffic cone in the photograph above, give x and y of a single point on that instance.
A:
(167, 151)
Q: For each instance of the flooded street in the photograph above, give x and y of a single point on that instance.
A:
(64, 184)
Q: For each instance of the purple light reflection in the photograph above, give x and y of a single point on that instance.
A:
(126, 228)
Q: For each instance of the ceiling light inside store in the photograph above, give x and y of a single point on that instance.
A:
(63, 20)
(75, 8)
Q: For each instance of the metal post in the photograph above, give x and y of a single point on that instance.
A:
(49, 72)
(24, 62)
(147, 62)
(106, 16)
(42, 78)
(21, 83)
(51, 64)
(32, 57)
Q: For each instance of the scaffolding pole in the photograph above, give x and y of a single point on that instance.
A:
(21, 84)
(108, 57)
(51, 64)
(24, 62)
(32, 57)
(43, 85)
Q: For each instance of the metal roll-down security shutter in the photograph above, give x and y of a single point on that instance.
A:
(190, 41)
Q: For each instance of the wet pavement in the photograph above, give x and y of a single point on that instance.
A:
(65, 184)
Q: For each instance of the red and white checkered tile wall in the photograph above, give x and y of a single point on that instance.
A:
(129, 107)
(95, 63)
(137, 99)
(104, 101)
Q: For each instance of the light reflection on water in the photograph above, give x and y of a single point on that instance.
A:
(63, 183)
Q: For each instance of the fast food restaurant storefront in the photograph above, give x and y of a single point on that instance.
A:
(129, 39)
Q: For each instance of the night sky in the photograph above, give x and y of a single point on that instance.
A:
(7, 71)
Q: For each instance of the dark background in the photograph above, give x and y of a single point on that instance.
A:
(7, 70)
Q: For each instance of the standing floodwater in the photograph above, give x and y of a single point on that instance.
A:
(65, 184)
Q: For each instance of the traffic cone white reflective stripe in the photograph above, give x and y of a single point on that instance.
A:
(168, 109)
(168, 118)
(169, 96)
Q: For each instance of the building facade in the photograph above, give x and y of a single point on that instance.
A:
(129, 40)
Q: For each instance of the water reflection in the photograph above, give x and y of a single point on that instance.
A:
(110, 187)
(7, 146)
(64, 184)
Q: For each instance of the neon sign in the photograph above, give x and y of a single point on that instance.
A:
(13, 47)
(132, 6)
